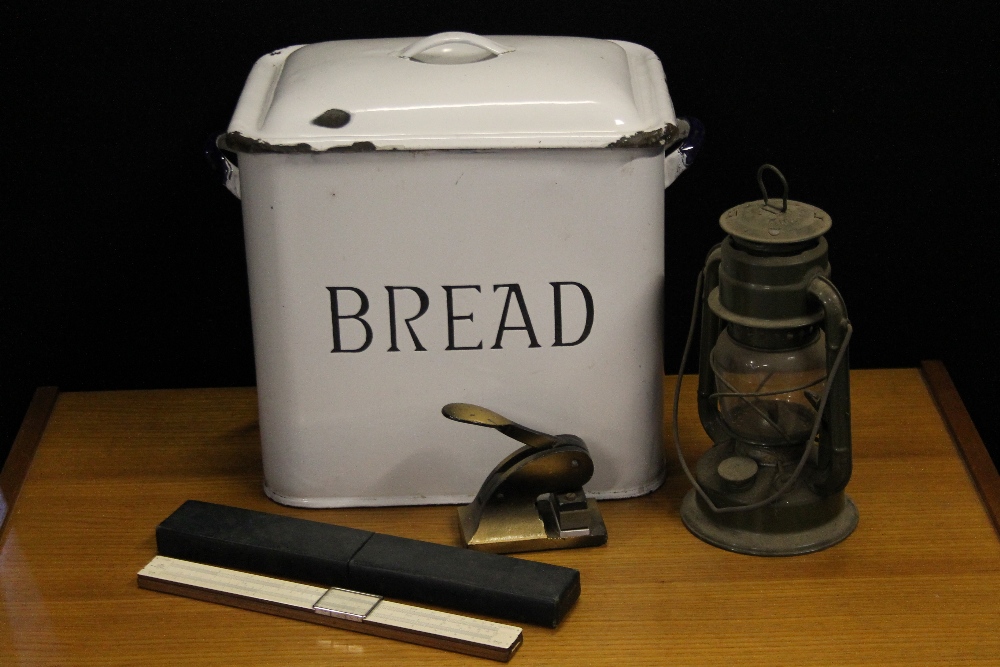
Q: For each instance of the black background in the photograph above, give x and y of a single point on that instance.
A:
(123, 262)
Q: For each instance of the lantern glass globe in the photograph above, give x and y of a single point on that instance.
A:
(778, 390)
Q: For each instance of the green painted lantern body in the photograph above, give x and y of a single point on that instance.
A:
(774, 336)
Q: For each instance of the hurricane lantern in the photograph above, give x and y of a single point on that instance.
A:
(773, 386)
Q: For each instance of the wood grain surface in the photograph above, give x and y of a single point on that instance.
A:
(22, 452)
(970, 445)
(917, 583)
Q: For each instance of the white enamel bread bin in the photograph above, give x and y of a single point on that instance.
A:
(453, 219)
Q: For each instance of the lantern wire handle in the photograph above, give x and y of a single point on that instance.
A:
(810, 443)
(763, 190)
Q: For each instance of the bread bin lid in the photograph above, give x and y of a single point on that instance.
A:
(454, 91)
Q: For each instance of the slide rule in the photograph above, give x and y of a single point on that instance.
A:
(336, 607)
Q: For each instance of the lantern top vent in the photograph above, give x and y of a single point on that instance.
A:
(775, 221)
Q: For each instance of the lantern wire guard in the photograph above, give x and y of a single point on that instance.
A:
(810, 444)
(821, 514)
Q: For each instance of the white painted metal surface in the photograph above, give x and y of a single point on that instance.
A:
(537, 92)
(387, 283)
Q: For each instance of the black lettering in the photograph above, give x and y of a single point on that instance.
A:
(588, 301)
(452, 317)
(515, 290)
(424, 303)
(336, 316)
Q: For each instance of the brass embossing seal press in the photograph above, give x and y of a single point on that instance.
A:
(534, 498)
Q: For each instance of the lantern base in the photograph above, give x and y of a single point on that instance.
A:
(717, 529)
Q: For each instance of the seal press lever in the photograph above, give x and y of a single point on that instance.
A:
(534, 498)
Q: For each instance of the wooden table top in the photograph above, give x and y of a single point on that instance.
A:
(917, 583)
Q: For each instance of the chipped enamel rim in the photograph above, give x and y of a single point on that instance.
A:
(526, 92)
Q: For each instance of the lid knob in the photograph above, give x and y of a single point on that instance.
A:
(453, 48)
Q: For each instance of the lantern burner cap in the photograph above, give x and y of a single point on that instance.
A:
(737, 472)
(770, 222)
